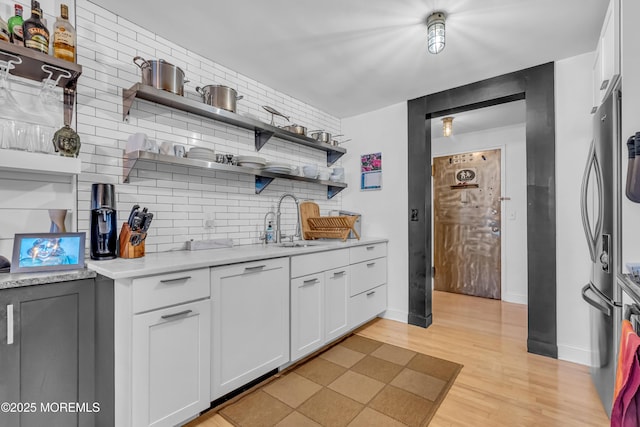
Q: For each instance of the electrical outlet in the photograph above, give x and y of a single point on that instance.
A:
(208, 223)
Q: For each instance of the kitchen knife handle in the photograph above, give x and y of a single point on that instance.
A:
(180, 313)
(177, 279)
(9, 324)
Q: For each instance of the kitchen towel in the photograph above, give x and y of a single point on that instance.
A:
(626, 394)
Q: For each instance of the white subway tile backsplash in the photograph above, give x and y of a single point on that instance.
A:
(181, 198)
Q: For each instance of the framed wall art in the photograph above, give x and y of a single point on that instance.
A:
(371, 171)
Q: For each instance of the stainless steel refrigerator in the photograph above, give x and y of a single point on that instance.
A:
(600, 201)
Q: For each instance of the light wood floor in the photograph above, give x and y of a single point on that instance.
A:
(501, 384)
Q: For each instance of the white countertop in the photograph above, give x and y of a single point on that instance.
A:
(165, 262)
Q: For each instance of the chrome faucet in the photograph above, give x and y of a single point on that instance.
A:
(278, 214)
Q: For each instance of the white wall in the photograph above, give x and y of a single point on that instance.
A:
(180, 198)
(386, 130)
(384, 212)
(512, 142)
(573, 137)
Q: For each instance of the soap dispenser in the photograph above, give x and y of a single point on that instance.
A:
(269, 234)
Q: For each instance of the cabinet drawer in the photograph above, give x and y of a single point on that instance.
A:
(251, 268)
(367, 305)
(367, 275)
(367, 252)
(169, 289)
(303, 265)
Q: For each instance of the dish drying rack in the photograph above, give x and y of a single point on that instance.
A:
(315, 226)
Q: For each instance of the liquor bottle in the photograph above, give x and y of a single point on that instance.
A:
(15, 26)
(64, 36)
(4, 30)
(36, 34)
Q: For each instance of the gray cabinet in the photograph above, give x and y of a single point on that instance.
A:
(47, 354)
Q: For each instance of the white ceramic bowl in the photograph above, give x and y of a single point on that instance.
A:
(324, 175)
(310, 171)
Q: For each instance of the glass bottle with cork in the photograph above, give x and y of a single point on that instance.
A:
(36, 34)
(15, 26)
(64, 36)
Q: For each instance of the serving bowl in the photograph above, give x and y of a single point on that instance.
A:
(310, 171)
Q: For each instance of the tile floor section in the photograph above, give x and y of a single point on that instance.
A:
(358, 382)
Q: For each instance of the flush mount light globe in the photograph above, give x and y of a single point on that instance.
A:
(435, 32)
(447, 126)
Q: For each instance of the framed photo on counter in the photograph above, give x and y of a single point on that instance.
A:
(35, 252)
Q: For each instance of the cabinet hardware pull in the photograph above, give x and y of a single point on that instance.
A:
(370, 293)
(309, 282)
(371, 264)
(177, 279)
(370, 248)
(257, 267)
(180, 313)
(9, 324)
(339, 273)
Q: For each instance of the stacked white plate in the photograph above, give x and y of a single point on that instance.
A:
(251, 161)
(200, 153)
(276, 167)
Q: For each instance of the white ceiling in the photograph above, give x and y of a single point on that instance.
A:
(350, 57)
(496, 116)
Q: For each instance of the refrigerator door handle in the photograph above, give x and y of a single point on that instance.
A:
(592, 236)
(609, 303)
(603, 308)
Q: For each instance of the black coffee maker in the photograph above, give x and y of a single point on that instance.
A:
(104, 230)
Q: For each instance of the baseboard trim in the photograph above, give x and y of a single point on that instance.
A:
(542, 348)
(424, 322)
(515, 298)
(574, 354)
(397, 315)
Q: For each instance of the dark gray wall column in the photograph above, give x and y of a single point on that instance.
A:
(419, 186)
(536, 86)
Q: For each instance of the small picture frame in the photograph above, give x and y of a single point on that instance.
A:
(371, 171)
(36, 252)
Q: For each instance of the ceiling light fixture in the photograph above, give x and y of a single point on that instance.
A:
(447, 126)
(435, 32)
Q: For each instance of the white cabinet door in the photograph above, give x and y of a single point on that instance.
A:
(367, 305)
(170, 364)
(306, 315)
(250, 322)
(336, 299)
(607, 63)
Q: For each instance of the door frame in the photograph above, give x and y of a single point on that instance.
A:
(502, 213)
(536, 86)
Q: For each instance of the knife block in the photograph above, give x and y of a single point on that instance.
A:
(127, 250)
